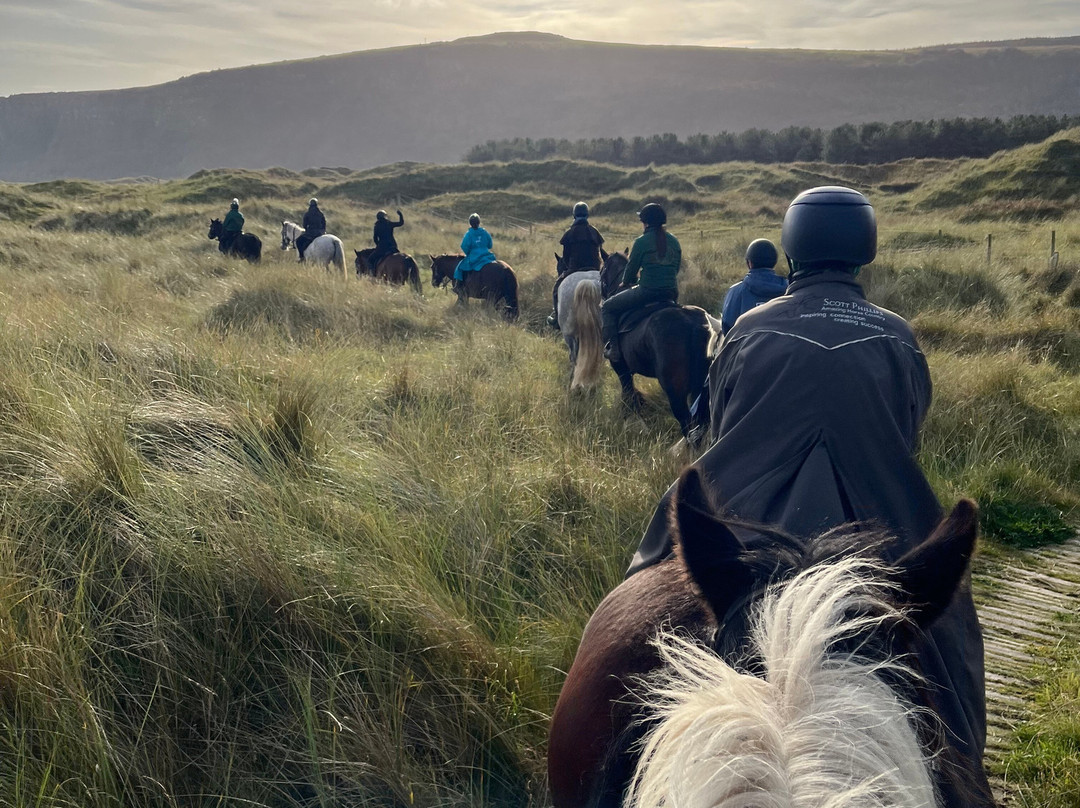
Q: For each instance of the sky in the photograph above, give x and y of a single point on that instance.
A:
(58, 45)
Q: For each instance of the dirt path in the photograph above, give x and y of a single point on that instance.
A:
(1017, 604)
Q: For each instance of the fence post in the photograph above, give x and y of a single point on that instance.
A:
(989, 246)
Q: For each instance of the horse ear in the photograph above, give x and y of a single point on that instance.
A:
(930, 574)
(626, 252)
(711, 553)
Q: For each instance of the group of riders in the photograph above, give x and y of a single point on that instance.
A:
(817, 395)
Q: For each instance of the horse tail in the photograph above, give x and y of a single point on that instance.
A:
(256, 250)
(414, 273)
(339, 258)
(586, 312)
(510, 293)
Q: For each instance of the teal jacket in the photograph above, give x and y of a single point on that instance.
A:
(656, 272)
(476, 244)
(234, 222)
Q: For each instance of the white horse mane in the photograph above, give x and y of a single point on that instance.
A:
(819, 729)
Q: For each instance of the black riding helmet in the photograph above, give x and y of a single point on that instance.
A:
(652, 215)
(830, 227)
(761, 253)
(381, 214)
(581, 211)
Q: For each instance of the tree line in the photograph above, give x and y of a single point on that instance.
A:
(863, 143)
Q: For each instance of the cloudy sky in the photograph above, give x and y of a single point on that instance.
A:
(100, 44)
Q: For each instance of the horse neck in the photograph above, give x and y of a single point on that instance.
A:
(830, 730)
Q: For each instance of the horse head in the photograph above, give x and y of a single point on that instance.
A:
(361, 262)
(288, 236)
(442, 268)
(812, 649)
(560, 265)
(215, 229)
(611, 274)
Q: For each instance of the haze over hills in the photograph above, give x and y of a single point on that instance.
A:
(433, 102)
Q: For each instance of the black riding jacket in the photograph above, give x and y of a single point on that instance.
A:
(314, 223)
(383, 235)
(582, 246)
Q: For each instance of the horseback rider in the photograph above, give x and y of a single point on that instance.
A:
(314, 226)
(760, 284)
(383, 236)
(232, 226)
(657, 255)
(476, 244)
(818, 397)
(582, 251)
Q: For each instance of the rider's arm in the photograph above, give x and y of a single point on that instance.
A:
(633, 265)
(400, 219)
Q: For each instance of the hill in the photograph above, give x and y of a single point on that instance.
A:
(433, 102)
(275, 537)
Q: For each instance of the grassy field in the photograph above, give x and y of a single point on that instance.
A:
(277, 537)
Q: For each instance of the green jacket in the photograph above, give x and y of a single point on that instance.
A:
(656, 272)
(234, 222)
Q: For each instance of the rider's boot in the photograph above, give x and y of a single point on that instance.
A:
(553, 320)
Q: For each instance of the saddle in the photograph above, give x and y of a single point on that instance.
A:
(633, 318)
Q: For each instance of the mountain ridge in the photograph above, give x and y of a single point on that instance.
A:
(432, 102)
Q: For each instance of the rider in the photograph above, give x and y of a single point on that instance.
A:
(582, 251)
(818, 397)
(476, 244)
(231, 227)
(656, 254)
(760, 285)
(314, 226)
(383, 236)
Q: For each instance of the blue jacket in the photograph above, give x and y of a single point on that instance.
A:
(476, 244)
(759, 286)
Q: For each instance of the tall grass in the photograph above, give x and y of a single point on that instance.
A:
(273, 537)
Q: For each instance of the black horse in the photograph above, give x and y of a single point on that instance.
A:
(495, 282)
(672, 344)
(244, 246)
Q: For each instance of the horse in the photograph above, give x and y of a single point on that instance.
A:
(245, 245)
(495, 282)
(672, 344)
(758, 669)
(398, 268)
(324, 250)
(578, 312)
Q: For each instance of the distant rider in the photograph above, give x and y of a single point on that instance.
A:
(760, 285)
(231, 227)
(314, 226)
(383, 236)
(657, 255)
(476, 244)
(582, 251)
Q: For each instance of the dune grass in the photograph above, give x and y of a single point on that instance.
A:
(274, 537)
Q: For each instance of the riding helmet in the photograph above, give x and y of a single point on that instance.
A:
(761, 253)
(829, 227)
(581, 211)
(652, 215)
(313, 202)
(381, 214)
(235, 203)
(474, 220)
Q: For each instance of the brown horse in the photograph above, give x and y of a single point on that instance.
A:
(397, 268)
(797, 670)
(495, 282)
(672, 344)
